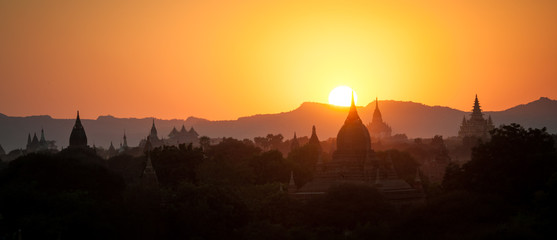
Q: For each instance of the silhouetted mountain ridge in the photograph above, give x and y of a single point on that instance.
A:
(411, 118)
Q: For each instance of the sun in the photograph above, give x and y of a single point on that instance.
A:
(342, 96)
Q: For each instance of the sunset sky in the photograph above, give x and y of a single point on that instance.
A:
(227, 59)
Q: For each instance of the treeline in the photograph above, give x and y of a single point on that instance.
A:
(236, 190)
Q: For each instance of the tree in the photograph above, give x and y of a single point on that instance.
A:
(204, 212)
(204, 142)
(67, 194)
(514, 164)
(345, 206)
(228, 163)
(303, 161)
(275, 141)
(269, 167)
(174, 165)
(262, 142)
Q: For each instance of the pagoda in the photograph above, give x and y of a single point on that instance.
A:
(354, 162)
(477, 126)
(78, 138)
(377, 128)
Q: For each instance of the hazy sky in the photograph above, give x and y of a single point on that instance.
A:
(226, 59)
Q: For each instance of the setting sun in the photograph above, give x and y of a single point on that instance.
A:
(341, 96)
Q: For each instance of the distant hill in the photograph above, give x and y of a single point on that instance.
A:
(413, 119)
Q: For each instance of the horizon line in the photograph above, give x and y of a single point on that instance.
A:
(258, 114)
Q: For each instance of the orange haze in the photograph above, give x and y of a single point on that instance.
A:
(225, 59)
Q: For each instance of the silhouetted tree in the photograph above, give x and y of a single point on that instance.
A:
(204, 212)
(174, 165)
(404, 164)
(262, 142)
(275, 141)
(128, 167)
(303, 161)
(345, 206)
(269, 167)
(228, 163)
(515, 163)
(68, 195)
(204, 142)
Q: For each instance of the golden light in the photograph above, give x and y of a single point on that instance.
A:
(342, 96)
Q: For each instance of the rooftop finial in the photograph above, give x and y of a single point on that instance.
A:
(353, 112)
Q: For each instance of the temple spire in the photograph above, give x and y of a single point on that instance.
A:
(42, 140)
(295, 144)
(78, 138)
(314, 140)
(35, 140)
(149, 176)
(291, 184)
(125, 140)
(377, 118)
(353, 112)
(153, 133)
(477, 105)
(78, 120)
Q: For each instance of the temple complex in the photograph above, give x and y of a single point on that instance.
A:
(377, 128)
(354, 162)
(35, 145)
(175, 137)
(183, 136)
(149, 176)
(476, 126)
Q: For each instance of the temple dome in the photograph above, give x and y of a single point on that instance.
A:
(353, 135)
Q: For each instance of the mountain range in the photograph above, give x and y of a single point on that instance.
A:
(410, 118)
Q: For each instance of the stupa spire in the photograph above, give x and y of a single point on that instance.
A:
(291, 184)
(78, 138)
(377, 118)
(313, 139)
(295, 144)
(125, 145)
(477, 111)
(353, 112)
(42, 140)
(153, 133)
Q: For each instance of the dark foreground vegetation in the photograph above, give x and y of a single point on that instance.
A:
(233, 191)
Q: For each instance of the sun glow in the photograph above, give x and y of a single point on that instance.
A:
(342, 96)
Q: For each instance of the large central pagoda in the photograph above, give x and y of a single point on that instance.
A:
(354, 162)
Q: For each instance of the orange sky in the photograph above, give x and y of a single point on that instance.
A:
(226, 59)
